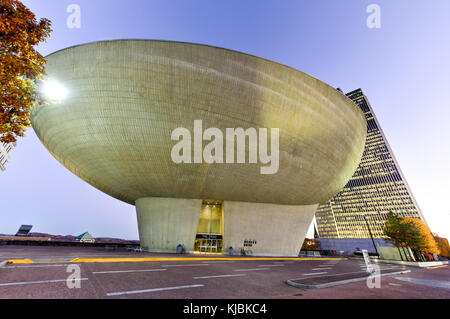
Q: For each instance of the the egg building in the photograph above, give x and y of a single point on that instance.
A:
(126, 98)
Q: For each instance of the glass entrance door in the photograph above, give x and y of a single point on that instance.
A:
(211, 245)
(210, 228)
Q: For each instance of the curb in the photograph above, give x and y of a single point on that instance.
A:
(426, 264)
(339, 282)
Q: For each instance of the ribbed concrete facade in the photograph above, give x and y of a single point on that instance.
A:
(126, 97)
(5, 150)
(275, 230)
(377, 187)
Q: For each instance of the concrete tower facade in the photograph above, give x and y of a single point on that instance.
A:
(377, 187)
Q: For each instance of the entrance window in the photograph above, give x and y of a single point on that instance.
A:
(210, 228)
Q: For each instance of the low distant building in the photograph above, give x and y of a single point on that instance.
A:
(24, 230)
(5, 149)
(18, 239)
(85, 238)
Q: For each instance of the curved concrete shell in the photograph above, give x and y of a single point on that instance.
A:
(127, 96)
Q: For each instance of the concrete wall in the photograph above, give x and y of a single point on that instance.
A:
(164, 223)
(390, 253)
(279, 230)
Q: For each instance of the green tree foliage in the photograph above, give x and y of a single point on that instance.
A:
(398, 233)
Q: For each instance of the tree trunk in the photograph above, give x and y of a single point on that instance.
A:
(401, 257)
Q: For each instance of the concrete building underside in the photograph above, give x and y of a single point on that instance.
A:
(208, 226)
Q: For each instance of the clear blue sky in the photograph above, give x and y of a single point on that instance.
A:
(403, 67)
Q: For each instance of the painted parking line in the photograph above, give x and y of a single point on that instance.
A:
(185, 265)
(251, 269)
(315, 273)
(218, 276)
(126, 271)
(270, 265)
(322, 268)
(38, 282)
(119, 293)
(37, 266)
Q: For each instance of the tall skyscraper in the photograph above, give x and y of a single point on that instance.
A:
(377, 187)
(5, 149)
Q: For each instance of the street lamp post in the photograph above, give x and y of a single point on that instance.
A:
(370, 233)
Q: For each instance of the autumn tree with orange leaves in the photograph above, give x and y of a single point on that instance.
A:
(410, 232)
(21, 66)
(427, 242)
(309, 244)
(443, 245)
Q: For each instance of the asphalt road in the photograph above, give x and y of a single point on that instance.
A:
(198, 279)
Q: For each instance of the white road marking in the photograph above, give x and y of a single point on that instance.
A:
(322, 268)
(345, 273)
(122, 271)
(426, 282)
(219, 276)
(270, 265)
(38, 282)
(38, 266)
(315, 273)
(185, 265)
(397, 285)
(251, 269)
(150, 290)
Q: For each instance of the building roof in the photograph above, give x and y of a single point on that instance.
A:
(85, 235)
(24, 230)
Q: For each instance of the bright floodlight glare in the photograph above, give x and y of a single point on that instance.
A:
(53, 90)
